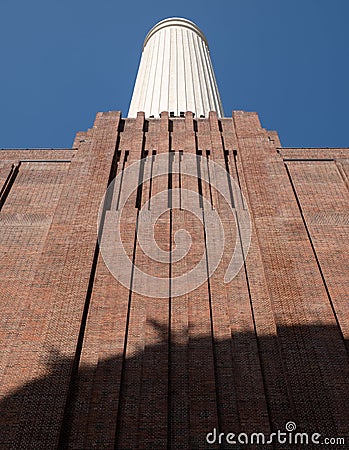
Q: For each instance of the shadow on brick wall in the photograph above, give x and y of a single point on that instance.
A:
(158, 398)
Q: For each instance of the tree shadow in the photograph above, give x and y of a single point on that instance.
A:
(172, 394)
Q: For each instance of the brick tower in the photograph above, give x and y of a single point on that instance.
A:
(142, 335)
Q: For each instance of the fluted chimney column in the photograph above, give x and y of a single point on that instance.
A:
(175, 72)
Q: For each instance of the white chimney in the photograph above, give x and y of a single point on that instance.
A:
(175, 73)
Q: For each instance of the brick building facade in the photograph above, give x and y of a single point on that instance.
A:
(88, 363)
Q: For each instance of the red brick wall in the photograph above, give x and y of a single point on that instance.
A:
(88, 363)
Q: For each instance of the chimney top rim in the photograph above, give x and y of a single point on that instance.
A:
(175, 22)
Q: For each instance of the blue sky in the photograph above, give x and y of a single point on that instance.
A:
(62, 61)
